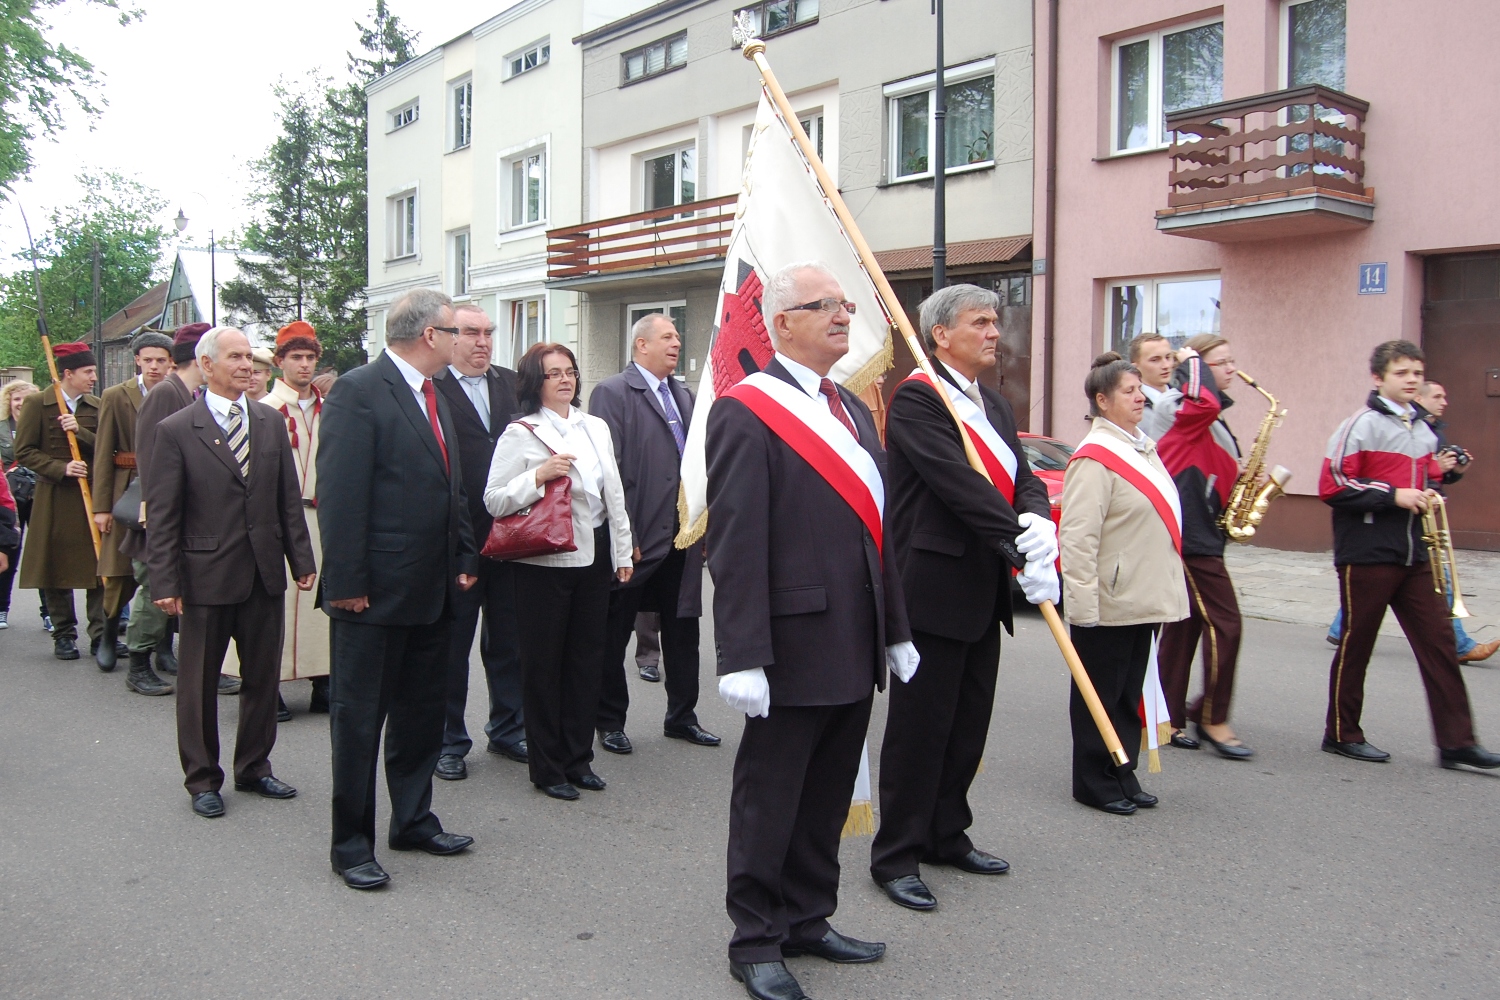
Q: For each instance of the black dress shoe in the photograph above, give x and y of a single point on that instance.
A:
(229, 685)
(976, 862)
(515, 751)
(1356, 751)
(283, 714)
(1471, 756)
(693, 733)
(615, 741)
(1145, 800)
(366, 876)
(564, 791)
(270, 786)
(590, 782)
(1119, 807)
(834, 947)
(439, 844)
(451, 767)
(1229, 751)
(650, 672)
(319, 701)
(209, 805)
(909, 891)
(767, 980)
(65, 649)
(1183, 741)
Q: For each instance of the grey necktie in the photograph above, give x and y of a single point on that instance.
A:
(973, 393)
(238, 436)
(479, 394)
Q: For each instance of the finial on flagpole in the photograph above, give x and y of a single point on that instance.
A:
(744, 34)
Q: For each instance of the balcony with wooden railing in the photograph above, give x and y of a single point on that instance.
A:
(1285, 164)
(693, 233)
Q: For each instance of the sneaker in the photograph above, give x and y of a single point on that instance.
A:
(46, 623)
(4, 623)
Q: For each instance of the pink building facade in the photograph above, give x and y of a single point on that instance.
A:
(1376, 215)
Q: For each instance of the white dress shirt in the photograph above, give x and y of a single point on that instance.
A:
(577, 442)
(414, 379)
(808, 379)
(72, 401)
(477, 388)
(219, 407)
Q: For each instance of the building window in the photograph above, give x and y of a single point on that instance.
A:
(404, 115)
(403, 215)
(969, 139)
(527, 180)
(528, 326)
(1177, 307)
(812, 124)
(676, 311)
(528, 59)
(458, 280)
(658, 57)
(461, 123)
(775, 16)
(181, 312)
(1163, 72)
(670, 178)
(1313, 46)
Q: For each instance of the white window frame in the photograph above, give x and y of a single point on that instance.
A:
(541, 49)
(407, 114)
(516, 320)
(758, 10)
(667, 65)
(1155, 140)
(460, 124)
(396, 250)
(927, 82)
(460, 263)
(511, 228)
(1152, 283)
(814, 117)
(674, 150)
(664, 307)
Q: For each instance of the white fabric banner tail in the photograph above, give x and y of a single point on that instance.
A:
(1155, 718)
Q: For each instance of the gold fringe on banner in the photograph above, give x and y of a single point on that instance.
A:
(1152, 754)
(689, 534)
(861, 821)
(1163, 733)
(882, 362)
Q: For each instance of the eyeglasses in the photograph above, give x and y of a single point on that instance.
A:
(448, 329)
(829, 306)
(1221, 363)
(558, 373)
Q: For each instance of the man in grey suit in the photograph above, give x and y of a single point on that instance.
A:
(647, 411)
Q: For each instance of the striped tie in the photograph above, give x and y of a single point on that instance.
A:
(239, 439)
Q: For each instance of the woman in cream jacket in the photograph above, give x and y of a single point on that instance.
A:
(1122, 576)
(562, 599)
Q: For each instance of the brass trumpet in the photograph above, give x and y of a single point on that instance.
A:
(1440, 555)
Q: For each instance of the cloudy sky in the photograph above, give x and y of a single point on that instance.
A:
(189, 96)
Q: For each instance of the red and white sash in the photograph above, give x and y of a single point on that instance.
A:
(1131, 466)
(810, 429)
(999, 461)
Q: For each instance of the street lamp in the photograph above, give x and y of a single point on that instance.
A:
(181, 222)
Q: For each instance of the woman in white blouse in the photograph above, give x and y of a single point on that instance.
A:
(562, 600)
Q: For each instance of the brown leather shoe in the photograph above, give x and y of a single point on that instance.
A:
(1483, 651)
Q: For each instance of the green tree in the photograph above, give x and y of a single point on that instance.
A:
(36, 78)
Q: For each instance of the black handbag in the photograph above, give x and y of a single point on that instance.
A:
(22, 484)
(127, 509)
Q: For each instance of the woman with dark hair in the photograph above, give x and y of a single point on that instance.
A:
(1121, 539)
(562, 599)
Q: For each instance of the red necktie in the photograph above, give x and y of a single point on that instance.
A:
(836, 405)
(430, 395)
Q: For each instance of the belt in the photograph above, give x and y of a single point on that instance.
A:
(310, 501)
(124, 459)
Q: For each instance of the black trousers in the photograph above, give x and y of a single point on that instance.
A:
(793, 779)
(1115, 657)
(679, 647)
(934, 739)
(499, 651)
(255, 625)
(391, 678)
(564, 608)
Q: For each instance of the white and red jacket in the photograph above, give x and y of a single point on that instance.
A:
(1373, 454)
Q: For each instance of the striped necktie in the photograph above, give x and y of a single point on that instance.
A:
(674, 419)
(239, 438)
(836, 405)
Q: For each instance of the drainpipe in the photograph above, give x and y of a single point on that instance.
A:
(1049, 225)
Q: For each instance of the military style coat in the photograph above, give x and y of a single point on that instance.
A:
(59, 550)
(114, 470)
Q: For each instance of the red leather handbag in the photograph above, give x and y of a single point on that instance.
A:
(541, 529)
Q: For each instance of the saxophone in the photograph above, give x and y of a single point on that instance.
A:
(1247, 503)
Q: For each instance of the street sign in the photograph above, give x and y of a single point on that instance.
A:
(1372, 279)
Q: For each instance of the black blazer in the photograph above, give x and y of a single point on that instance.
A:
(952, 532)
(651, 472)
(476, 445)
(799, 586)
(212, 530)
(395, 525)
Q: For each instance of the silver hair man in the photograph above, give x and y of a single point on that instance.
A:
(942, 308)
(412, 313)
(780, 292)
(208, 344)
(643, 327)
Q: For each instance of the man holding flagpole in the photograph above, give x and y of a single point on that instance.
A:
(808, 614)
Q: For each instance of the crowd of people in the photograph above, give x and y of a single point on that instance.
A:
(357, 532)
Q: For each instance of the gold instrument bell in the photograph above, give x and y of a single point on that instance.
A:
(1248, 500)
(1440, 555)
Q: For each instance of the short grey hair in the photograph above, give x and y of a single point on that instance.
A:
(150, 339)
(414, 312)
(942, 307)
(208, 344)
(642, 327)
(780, 292)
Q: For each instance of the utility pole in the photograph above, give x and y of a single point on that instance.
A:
(98, 321)
(213, 281)
(939, 164)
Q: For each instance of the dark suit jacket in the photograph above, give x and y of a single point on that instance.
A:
(651, 471)
(395, 524)
(211, 529)
(952, 532)
(166, 398)
(799, 586)
(476, 445)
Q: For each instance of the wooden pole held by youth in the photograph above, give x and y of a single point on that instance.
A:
(755, 50)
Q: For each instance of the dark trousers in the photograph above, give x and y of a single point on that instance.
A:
(564, 608)
(934, 738)
(1115, 658)
(1214, 616)
(65, 615)
(389, 677)
(679, 647)
(647, 639)
(499, 651)
(1364, 593)
(255, 625)
(793, 779)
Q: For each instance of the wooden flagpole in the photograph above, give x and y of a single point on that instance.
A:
(755, 50)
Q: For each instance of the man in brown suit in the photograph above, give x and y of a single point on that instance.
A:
(225, 510)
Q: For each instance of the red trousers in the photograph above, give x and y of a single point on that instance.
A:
(1215, 617)
(1365, 592)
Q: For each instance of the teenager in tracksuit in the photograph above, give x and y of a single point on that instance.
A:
(1377, 477)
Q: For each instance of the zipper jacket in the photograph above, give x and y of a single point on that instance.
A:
(1203, 462)
(1372, 455)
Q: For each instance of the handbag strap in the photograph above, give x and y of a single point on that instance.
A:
(537, 436)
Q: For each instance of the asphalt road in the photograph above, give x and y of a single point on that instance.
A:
(1296, 875)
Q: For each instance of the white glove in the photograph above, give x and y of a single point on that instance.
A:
(902, 659)
(1038, 543)
(1039, 582)
(747, 691)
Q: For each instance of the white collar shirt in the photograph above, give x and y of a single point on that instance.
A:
(1138, 439)
(72, 401)
(1153, 395)
(576, 440)
(140, 383)
(414, 379)
(808, 379)
(1404, 410)
(219, 407)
